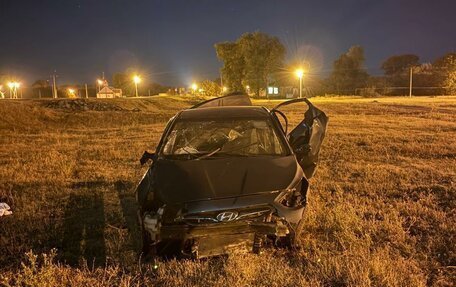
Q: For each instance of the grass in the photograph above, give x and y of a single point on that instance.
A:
(381, 208)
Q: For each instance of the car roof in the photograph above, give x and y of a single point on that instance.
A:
(224, 112)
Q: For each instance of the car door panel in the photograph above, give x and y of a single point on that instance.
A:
(306, 138)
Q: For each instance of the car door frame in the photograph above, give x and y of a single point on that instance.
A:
(307, 158)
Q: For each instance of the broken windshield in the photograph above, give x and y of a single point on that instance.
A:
(214, 138)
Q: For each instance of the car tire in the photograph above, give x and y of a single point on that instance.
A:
(291, 240)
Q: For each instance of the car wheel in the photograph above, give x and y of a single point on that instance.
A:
(291, 240)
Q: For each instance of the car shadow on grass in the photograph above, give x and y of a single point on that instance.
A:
(125, 191)
(83, 237)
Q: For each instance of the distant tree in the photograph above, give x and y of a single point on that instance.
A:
(233, 65)
(217, 80)
(348, 71)
(210, 88)
(397, 65)
(450, 83)
(445, 70)
(124, 82)
(252, 60)
(263, 56)
(155, 89)
(119, 79)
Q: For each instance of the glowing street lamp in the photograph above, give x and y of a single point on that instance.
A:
(17, 86)
(100, 83)
(136, 80)
(14, 86)
(224, 89)
(194, 87)
(71, 92)
(300, 73)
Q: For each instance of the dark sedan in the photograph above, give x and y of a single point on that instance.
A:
(226, 177)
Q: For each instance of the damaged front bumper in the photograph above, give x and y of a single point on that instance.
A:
(191, 232)
(204, 241)
(202, 229)
(222, 238)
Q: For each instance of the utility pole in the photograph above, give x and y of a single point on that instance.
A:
(87, 92)
(300, 73)
(54, 86)
(411, 82)
(136, 80)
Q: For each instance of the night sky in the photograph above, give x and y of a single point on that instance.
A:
(171, 42)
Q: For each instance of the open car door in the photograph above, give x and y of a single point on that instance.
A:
(306, 138)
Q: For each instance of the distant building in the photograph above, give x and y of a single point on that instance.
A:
(288, 92)
(109, 92)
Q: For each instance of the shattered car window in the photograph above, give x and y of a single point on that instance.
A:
(234, 137)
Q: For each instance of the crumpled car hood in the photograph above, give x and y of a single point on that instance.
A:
(178, 181)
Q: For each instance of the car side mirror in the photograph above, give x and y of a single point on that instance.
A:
(146, 157)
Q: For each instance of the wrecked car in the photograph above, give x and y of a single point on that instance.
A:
(227, 176)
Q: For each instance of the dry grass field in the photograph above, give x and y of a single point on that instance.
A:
(381, 212)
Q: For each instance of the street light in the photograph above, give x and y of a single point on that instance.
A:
(100, 83)
(300, 73)
(136, 80)
(194, 87)
(17, 86)
(71, 92)
(14, 86)
(11, 87)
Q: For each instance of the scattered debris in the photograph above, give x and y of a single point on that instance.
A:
(5, 209)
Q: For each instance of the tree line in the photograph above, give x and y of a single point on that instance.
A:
(257, 60)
